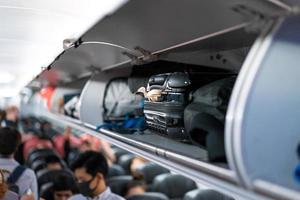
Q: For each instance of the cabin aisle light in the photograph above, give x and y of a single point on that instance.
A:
(6, 77)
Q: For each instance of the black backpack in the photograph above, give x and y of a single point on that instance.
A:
(204, 117)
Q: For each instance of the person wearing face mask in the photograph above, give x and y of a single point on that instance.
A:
(90, 169)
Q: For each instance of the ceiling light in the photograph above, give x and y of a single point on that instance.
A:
(6, 77)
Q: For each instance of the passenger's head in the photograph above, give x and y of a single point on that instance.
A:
(45, 126)
(10, 139)
(85, 146)
(136, 163)
(90, 169)
(64, 187)
(88, 143)
(12, 113)
(136, 186)
(53, 163)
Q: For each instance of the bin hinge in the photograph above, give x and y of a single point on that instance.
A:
(258, 19)
(93, 69)
(146, 57)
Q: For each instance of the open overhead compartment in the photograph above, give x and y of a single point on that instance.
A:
(146, 38)
(57, 99)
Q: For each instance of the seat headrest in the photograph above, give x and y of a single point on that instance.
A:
(119, 152)
(46, 191)
(39, 155)
(151, 170)
(118, 184)
(149, 196)
(34, 151)
(46, 176)
(38, 165)
(173, 185)
(125, 162)
(115, 170)
(205, 195)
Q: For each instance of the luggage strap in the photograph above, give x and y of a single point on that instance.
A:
(15, 175)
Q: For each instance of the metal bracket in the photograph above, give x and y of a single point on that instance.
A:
(93, 69)
(67, 43)
(71, 42)
(146, 57)
(135, 60)
(259, 19)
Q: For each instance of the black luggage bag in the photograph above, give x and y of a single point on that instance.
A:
(167, 96)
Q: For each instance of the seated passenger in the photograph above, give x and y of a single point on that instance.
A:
(12, 115)
(35, 142)
(69, 146)
(10, 139)
(64, 187)
(12, 120)
(65, 143)
(90, 169)
(136, 163)
(47, 130)
(53, 163)
(136, 186)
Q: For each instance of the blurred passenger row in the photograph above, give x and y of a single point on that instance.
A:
(41, 162)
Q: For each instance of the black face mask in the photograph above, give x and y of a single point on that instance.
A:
(85, 190)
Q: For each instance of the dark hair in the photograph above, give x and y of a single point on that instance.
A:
(52, 159)
(93, 162)
(10, 139)
(63, 182)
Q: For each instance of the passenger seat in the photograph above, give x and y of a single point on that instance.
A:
(118, 184)
(205, 195)
(149, 196)
(125, 162)
(173, 185)
(119, 152)
(47, 176)
(150, 171)
(46, 191)
(38, 154)
(115, 170)
(38, 165)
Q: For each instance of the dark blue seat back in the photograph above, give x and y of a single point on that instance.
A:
(173, 185)
(205, 195)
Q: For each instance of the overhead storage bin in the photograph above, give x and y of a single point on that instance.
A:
(217, 85)
(262, 123)
(92, 97)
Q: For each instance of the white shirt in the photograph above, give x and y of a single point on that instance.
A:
(27, 179)
(106, 195)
